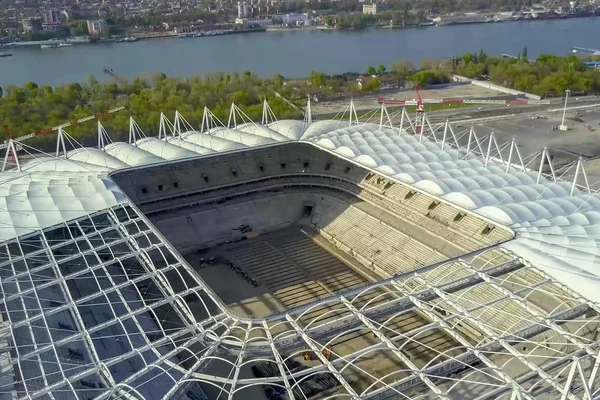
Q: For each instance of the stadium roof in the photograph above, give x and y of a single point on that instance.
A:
(63, 219)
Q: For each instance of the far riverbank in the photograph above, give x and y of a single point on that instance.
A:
(296, 53)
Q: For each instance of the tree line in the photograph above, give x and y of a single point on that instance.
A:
(31, 107)
(547, 75)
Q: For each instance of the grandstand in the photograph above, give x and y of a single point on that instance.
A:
(298, 260)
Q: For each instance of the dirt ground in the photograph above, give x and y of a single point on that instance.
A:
(370, 102)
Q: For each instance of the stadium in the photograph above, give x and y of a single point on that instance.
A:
(331, 259)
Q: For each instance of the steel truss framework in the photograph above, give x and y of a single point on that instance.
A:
(103, 307)
(157, 330)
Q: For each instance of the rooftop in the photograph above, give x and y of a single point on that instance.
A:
(482, 264)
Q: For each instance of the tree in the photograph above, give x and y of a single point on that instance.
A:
(371, 86)
(381, 69)
(401, 70)
(468, 58)
(524, 53)
(482, 57)
(78, 28)
(371, 71)
(317, 79)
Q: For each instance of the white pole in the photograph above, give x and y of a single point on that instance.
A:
(510, 153)
(445, 134)
(539, 177)
(205, 120)
(422, 129)
(100, 138)
(565, 109)
(381, 116)
(131, 133)
(161, 127)
(469, 141)
(177, 124)
(489, 150)
(576, 175)
(60, 143)
(401, 121)
(8, 150)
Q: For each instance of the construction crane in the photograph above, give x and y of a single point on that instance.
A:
(16, 141)
(419, 102)
(111, 72)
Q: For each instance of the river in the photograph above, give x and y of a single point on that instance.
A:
(294, 54)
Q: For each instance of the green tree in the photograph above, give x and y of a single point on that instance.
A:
(78, 28)
(371, 86)
(524, 54)
(468, 58)
(317, 79)
(482, 57)
(381, 69)
(371, 71)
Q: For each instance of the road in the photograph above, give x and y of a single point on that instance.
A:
(491, 112)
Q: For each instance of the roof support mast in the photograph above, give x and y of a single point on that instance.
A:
(308, 112)
(11, 149)
(60, 143)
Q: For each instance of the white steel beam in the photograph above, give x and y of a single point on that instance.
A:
(279, 361)
(510, 154)
(492, 335)
(322, 358)
(532, 309)
(542, 160)
(489, 149)
(405, 360)
(428, 311)
(103, 373)
(238, 362)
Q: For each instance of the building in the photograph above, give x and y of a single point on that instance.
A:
(459, 19)
(291, 18)
(32, 25)
(592, 65)
(296, 259)
(97, 27)
(51, 17)
(320, 13)
(373, 8)
(247, 22)
(183, 28)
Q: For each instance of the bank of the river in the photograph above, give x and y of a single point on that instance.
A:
(296, 53)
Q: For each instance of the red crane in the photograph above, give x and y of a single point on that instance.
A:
(420, 104)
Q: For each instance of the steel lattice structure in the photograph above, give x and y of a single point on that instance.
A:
(102, 306)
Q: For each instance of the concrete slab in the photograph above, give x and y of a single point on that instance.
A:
(370, 101)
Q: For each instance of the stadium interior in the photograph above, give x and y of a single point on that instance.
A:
(296, 260)
(274, 229)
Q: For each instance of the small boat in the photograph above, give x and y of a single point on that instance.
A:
(128, 39)
(3, 54)
(55, 46)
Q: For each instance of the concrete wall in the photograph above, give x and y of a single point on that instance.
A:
(492, 86)
(159, 182)
(190, 230)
